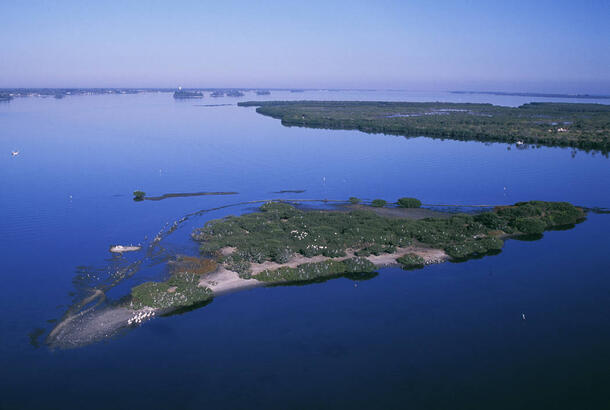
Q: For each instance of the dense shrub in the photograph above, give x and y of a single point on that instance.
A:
(376, 249)
(281, 209)
(491, 220)
(409, 203)
(411, 261)
(474, 247)
(378, 203)
(530, 225)
(310, 271)
(353, 200)
(181, 290)
(281, 230)
(358, 265)
(138, 195)
(237, 263)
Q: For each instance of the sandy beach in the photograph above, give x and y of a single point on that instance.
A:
(225, 281)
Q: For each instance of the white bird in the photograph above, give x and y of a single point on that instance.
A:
(14, 153)
(523, 316)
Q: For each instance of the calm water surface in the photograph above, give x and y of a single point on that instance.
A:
(449, 335)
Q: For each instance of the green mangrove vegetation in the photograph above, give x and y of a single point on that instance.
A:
(579, 125)
(279, 231)
(411, 261)
(138, 195)
(409, 203)
(379, 203)
(331, 243)
(311, 271)
(179, 291)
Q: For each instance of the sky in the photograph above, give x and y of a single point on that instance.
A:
(536, 46)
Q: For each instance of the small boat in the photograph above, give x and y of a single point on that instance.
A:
(519, 142)
(121, 248)
(14, 153)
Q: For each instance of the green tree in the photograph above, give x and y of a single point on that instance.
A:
(378, 203)
(138, 195)
(409, 203)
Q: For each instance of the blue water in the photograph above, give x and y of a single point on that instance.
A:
(449, 335)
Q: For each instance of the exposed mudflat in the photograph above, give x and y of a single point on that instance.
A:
(93, 326)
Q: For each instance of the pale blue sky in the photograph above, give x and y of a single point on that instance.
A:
(552, 46)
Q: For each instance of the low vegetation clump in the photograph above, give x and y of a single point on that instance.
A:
(316, 270)
(353, 200)
(585, 126)
(409, 203)
(138, 195)
(379, 203)
(179, 291)
(376, 249)
(411, 261)
(280, 231)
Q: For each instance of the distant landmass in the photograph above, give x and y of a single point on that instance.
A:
(183, 94)
(7, 94)
(63, 92)
(543, 95)
(234, 93)
(579, 125)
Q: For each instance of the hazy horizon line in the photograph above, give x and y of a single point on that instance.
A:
(250, 88)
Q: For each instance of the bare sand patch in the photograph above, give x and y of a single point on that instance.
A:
(224, 281)
(227, 250)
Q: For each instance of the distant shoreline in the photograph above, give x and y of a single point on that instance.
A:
(566, 124)
(61, 92)
(542, 95)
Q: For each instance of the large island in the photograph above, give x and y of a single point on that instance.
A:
(584, 126)
(283, 244)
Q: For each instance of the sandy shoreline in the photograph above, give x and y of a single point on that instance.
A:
(93, 325)
(224, 281)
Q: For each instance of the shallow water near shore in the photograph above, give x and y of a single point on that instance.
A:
(446, 335)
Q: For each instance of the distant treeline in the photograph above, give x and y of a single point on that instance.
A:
(543, 95)
(583, 126)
